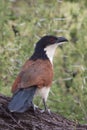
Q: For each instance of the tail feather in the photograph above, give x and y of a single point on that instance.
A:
(22, 100)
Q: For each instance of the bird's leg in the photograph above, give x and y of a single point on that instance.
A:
(34, 106)
(45, 107)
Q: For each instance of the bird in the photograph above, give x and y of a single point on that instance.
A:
(36, 75)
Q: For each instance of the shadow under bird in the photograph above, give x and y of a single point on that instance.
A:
(36, 75)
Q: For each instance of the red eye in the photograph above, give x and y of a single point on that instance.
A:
(52, 40)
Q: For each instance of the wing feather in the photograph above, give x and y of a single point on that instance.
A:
(39, 72)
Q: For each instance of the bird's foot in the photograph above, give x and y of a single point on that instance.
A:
(34, 107)
(46, 111)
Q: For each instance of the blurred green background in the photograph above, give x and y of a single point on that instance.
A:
(22, 23)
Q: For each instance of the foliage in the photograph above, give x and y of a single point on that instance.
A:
(22, 23)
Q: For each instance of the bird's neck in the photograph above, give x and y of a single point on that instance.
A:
(44, 53)
(39, 54)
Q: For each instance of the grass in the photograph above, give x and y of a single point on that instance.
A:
(32, 20)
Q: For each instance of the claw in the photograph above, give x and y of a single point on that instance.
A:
(46, 111)
(34, 106)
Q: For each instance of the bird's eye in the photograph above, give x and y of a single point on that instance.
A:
(52, 40)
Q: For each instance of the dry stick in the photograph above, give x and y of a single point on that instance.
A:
(11, 117)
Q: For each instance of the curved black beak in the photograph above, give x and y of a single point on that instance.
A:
(61, 39)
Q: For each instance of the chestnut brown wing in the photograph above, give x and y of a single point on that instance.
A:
(39, 72)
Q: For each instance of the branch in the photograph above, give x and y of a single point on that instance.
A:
(31, 120)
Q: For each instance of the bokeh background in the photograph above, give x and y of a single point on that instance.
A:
(22, 23)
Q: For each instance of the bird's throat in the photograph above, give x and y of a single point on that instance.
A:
(50, 50)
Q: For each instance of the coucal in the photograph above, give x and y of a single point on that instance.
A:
(36, 75)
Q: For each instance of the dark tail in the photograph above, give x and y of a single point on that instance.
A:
(22, 100)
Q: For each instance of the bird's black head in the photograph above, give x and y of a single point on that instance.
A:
(49, 40)
(46, 46)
